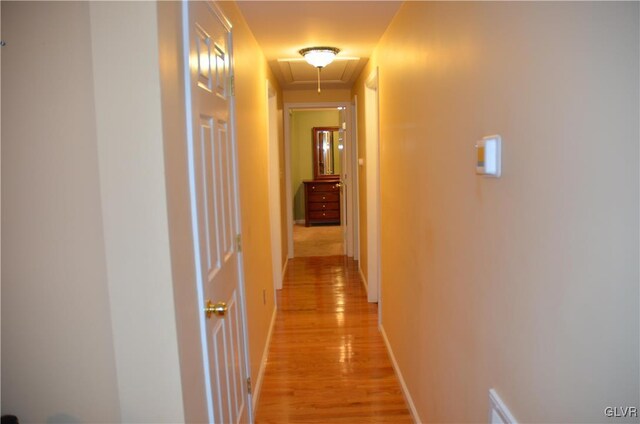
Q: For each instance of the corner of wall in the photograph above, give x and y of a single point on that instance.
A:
(134, 209)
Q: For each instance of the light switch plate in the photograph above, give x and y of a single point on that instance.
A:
(488, 154)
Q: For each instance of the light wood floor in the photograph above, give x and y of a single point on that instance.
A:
(327, 361)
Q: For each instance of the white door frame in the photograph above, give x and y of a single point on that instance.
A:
(238, 217)
(288, 107)
(274, 185)
(372, 128)
(349, 179)
(355, 184)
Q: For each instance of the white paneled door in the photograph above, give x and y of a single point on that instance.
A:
(207, 39)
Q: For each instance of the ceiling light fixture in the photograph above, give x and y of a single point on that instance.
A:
(319, 57)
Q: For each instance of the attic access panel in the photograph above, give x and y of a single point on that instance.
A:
(297, 71)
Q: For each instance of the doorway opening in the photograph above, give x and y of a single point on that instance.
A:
(318, 154)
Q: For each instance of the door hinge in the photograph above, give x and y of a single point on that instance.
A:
(239, 242)
(249, 385)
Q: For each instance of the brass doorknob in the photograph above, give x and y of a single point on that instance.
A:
(219, 309)
(338, 185)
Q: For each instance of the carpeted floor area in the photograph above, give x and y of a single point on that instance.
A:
(320, 240)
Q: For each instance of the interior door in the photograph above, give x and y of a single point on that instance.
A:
(214, 209)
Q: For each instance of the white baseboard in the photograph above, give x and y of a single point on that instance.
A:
(403, 385)
(255, 395)
(364, 280)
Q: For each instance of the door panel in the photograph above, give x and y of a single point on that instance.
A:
(208, 195)
(226, 189)
(215, 216)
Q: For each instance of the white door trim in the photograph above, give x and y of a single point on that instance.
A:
(349, 180)
(274, 185)
(372, 128)
(288, 107)
(355, 184)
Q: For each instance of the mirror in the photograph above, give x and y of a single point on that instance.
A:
(326, 153)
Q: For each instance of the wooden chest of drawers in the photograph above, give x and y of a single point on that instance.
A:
(322, 202)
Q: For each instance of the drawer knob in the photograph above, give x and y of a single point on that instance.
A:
(324, 206)
(323, 197)
(324, 214)
(313, 187)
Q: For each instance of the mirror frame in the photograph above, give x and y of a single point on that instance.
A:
(315, 147)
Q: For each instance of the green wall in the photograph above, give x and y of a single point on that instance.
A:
(302, 123)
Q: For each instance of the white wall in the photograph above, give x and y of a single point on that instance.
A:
(89, 324)
(58, 361)
(134, 207)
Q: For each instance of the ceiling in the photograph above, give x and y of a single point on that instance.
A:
(282, 28)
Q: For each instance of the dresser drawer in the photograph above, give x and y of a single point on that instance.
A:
(324, 197)
(323, 187)
(320, 215)
(328, 206)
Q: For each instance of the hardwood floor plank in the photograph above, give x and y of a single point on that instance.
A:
(327, 360)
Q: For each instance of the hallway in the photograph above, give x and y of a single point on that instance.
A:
(152, 237)
(327, 360)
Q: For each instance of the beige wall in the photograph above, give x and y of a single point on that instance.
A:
(312, 96)
(527, 283)
(302, 123)
(251, 73)
(58, 361)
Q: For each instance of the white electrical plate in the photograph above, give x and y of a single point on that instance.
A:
(488, 153)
